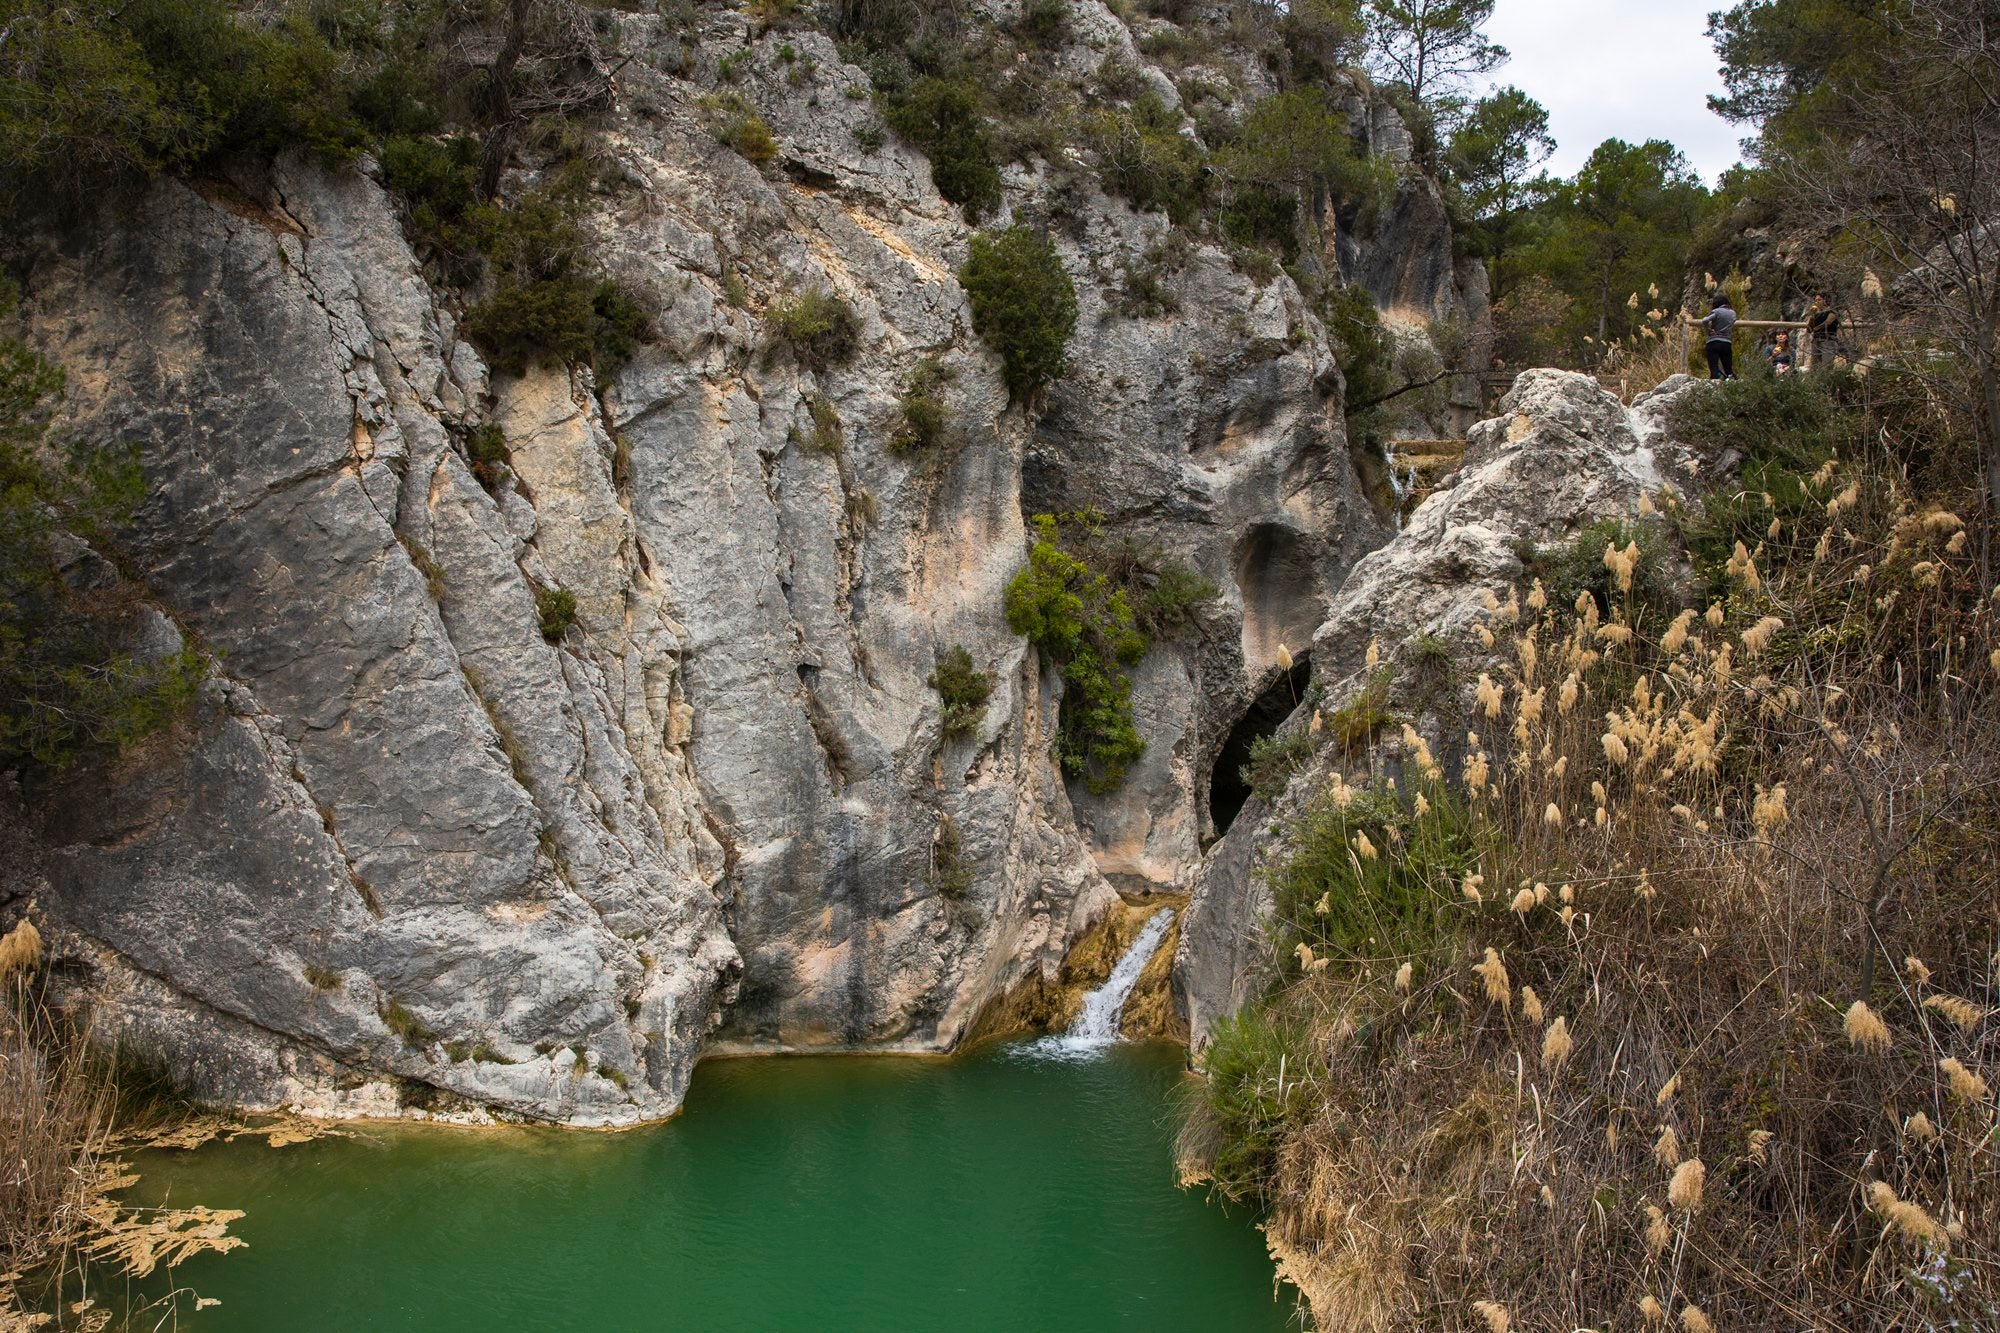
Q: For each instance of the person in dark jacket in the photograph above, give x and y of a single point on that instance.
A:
(1823, 331)
(1720, 325)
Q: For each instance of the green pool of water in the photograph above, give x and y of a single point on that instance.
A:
(1002, 1191)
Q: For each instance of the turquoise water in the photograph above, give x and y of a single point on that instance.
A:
(1003, 1191)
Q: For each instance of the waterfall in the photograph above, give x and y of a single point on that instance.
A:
(1097, 1022)
(1096, 1025)
(1399, 486)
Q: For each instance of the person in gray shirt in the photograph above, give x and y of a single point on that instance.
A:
(1720, 326)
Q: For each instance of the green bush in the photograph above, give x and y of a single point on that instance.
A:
(524, 323)
(1177, 596)
(950, 874)
(1330, 893)
(486, 446)
(549, 302)
(1086, 628)
(1367, 360)
(1258, 1067)
(69, 686)
(1354, 723)
(963, 690)
(405, 1024)
(1147, 161)
(1045, 23)
(106, 88)
(820, 328)
(923, 417)
(555, 611)
(1274, 761)
(1262, 218)
(1577, 566)
(942, 117)
(1023, 305)
(826, 436)
(437, 183)
(1796, 420)
(751, 135)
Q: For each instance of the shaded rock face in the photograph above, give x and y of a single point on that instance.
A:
(407, 852)
(400, 814)
(1562, 454)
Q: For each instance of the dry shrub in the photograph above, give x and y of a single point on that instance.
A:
(1749, 856)
(62, 1235)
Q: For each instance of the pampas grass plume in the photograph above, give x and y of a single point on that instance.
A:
(1667, 1148)
(20, 949)
(1694, 1321)
(1493, 972)
(1962, 1012)
(1658, 1234)
(1865, 1029)
(1651, 1310)
(1684, 1190)
(1964, 1084)
(1557, 1044)
(1496, 1316)
(1531, 1005)
(1905, 1217)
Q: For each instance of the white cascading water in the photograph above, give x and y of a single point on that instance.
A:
(1096, 1025)
(1399, 483)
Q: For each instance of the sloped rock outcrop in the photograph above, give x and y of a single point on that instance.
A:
(1562, 454)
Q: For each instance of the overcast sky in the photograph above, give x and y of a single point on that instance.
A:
(1633, 69)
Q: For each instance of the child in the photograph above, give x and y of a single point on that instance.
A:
(1780, 355)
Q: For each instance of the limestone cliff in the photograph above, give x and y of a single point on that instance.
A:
(406, 846)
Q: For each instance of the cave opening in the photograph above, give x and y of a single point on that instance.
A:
(1227, 791)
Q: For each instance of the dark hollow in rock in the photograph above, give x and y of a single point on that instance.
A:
(1227, 791)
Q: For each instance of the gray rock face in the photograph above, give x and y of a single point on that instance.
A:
(406, 846)
(1562, 454)
(404, 820)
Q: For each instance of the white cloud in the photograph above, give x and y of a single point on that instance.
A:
(1630, 69)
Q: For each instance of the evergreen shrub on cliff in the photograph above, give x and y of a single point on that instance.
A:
(963, 690)
(104, 89)
(1023, 305)
(70, 679)
(549, 301)
(821, 329)
(923, 416)
(1085, 626)
(1147, 161)
(942, 117)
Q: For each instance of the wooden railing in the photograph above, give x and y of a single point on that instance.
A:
(1802, 348)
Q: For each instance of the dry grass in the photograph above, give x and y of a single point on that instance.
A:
(63, 1235)
(1746, 860)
